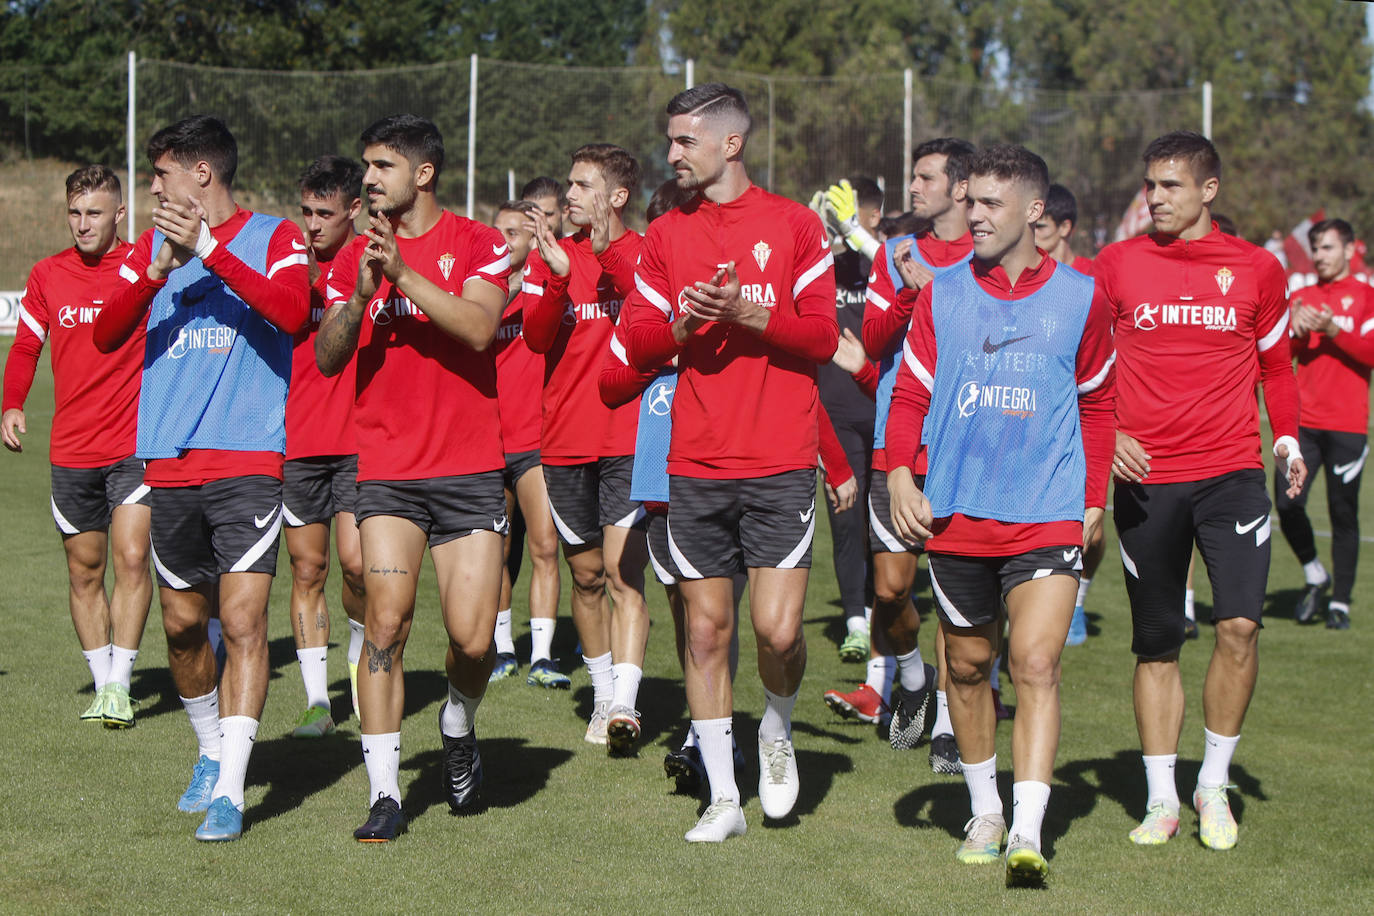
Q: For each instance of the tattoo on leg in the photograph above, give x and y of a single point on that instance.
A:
(300, 619)
(396, 570)
(379, 659)
(321, 620)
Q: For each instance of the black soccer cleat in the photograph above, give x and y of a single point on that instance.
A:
(910, 709)
(1337, 618)
(684, 765)
(944, 756)
(384, 822)
(462, 770)
(1306, 611)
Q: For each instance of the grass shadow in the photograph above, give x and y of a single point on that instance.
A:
(156, 692)
(1279, 604)
(514, 771)
(293, 769)
(939, 805)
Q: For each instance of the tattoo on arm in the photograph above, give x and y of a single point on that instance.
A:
(379, 659)
(338, 337)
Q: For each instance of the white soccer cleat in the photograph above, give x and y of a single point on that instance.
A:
(722, 820)
(778, 782)
(596, 725)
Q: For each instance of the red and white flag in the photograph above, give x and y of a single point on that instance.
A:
(1136, 219)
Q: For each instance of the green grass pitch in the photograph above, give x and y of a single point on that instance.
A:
(91, 823)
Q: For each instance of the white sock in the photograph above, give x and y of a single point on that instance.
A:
(99, 662)
(995, 675)
(1159, 781)
(541, 638)
(868, 618)
(942, 726)
(121, 665)
(1188, 605)
(981, 779)
(315, 675)
(1216, 760)
(777, 716)
(355, 641)
(214, 632)
(1083, 583)
(1314, 572)
(1029, 799)
(382, 757)
(237, 734)
(913, 670)
(714, 738)
(603, 681)
(625, 679)
(880, 671)
(458, 716)
(691, 739)
(505, 642)
(1339, 606)
(204, 715)
(857, 624)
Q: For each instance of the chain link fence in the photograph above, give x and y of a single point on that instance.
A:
(809, 132)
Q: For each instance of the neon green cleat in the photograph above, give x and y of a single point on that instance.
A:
(96, 710)
(1216, 827)
(1158, 828)
(854, 648)
(119, 709)
(1026, 867)
(545, 673)
(983, 838)
(315, 722)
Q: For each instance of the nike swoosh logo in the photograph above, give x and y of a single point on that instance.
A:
(990, 347)
(262, 522)
(1246, 529)
(1070, 555)
(806, 516)
(1342, 468)
(497, 249)
(297, 245)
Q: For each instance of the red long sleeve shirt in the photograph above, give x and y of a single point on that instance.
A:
(968, 536)
(281, 295)
(319, 409)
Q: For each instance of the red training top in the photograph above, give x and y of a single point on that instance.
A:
(95, 418)
(1198, 324)
(519, 380)
(1333, 371)
(319, 409)
(746, 402)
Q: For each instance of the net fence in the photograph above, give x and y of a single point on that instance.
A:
(808, 133)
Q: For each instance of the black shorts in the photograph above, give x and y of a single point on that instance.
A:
(660, 558)
(444, 508)
(584, 498)
(518, 464)
(316, 489)
(202, 532)
(969, 591)
(83, 498)
(882, 534)
(1157, 525)
(718, 528)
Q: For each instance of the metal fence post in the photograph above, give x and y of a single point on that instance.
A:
(691, 69)
(906, 126)
(472, 136)
(1207, 109)
(129, 141)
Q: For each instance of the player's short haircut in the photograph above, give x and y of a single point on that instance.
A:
(1013, 163)
(416, 138)
(1225, 225)
(544, 186)
(91, 178)
(618, 167)
(330, 175)
(1342, 228)
(668, 196)
(716, 101)
(199, 138)
(529, 208)
(1190, 146)
(958, 156)
(866, 192)
(1060, 205)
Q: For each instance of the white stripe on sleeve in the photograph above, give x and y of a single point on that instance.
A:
(32, 323)
(810, 276)
(1096, 381)
(1275, 334)
(656, 299)
(918, 370)
(286, 262)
